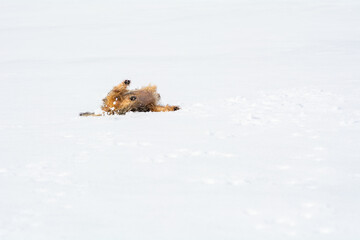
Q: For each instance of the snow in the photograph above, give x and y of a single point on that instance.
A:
(266, 145)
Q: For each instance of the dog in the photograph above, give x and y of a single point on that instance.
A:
(120, 100)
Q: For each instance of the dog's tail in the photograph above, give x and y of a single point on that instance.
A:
(89, 114)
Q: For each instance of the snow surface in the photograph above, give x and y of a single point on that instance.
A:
(266, 146)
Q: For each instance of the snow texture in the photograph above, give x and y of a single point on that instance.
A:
(266, 145)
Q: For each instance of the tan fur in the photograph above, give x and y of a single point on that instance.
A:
(120, 100)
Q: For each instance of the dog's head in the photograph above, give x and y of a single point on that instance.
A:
(121, 100)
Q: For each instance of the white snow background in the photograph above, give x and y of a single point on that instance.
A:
(266, 145)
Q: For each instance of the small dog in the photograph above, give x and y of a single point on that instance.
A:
(120, 100)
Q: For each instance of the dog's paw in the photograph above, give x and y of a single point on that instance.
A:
(127, 82)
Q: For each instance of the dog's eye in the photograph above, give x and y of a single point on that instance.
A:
(132, 98)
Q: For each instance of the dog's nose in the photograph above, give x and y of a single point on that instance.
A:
(132, 98)
(127, 82)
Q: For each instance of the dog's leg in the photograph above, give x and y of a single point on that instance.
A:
(167, 108)
(110, 102)
(118, 89)
(89, 114)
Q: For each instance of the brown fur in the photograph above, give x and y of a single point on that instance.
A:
(120, 100)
